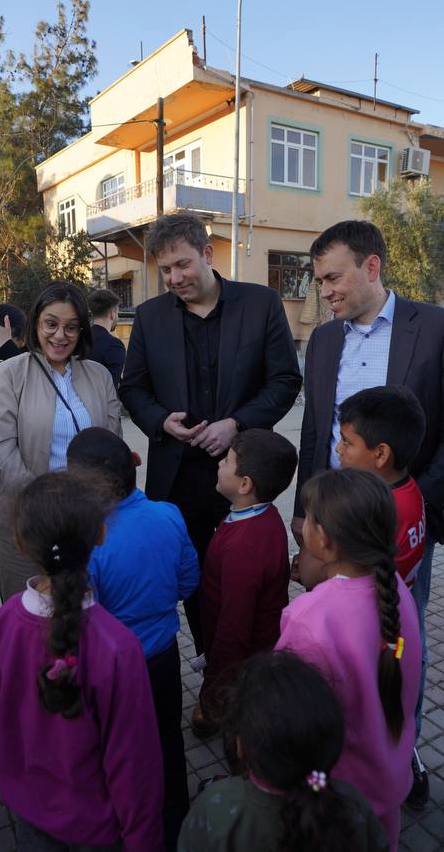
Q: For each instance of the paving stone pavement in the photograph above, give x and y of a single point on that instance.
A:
(421, 832)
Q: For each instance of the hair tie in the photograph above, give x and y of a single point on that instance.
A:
(397, 647)
(61, 664)
(316, 780)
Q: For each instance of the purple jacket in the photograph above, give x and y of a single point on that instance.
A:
(96, 778)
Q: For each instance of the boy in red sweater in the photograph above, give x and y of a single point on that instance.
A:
(244, 585)
(382, 430)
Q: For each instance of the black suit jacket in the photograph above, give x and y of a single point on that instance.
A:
(109, 351)
(416, 359)
(258, 372)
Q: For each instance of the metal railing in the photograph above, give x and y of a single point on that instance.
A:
(171, 177)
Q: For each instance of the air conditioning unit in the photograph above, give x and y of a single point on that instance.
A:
(415, 161)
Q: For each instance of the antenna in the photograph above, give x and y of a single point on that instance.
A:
(375, 82)
(204, 39)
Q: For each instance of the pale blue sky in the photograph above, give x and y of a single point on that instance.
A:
(333, 41)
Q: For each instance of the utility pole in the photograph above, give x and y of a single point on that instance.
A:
(160, 124)
(235, 198)
(375, 82)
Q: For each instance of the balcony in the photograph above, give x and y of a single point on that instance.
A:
(202, 193)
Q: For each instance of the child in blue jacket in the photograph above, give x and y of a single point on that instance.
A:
(144, 567)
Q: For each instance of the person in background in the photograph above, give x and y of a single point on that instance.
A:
(12, 331)
(106, 348)
(80, 758)
(289, 731)
(246, 570)
(47, 395)
(145, 566)
(359, 626)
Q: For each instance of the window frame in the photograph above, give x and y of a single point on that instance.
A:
(185, 164)
(67, 219)
(371, 143)
(280, 268)
(287, 127)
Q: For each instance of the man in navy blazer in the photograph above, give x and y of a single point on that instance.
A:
(375, 338)
(205, 359)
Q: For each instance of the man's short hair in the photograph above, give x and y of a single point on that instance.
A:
(101, 301)
(267, 458)
(17, 319)
(387, 415)
(361, 237)
(102, 451)
(168, 230)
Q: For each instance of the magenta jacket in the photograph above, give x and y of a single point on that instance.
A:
(91, 780)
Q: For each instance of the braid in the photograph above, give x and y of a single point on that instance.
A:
(61, 694)
(389, 668)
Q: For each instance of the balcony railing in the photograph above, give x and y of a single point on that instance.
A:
(172, 177)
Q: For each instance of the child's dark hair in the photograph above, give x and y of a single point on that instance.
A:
(101, 450)
(389, 415)
(357, 512)
(290, 724)
(58, 519)
(268, 459)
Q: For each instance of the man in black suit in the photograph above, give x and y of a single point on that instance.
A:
(12, 331)
(107, 349)
(375, 338)
(205, 359)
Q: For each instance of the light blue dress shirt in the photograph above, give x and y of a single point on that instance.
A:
(63, 429)
(364, 362)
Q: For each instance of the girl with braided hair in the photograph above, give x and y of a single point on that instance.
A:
(359, 626)
(80, 760)
(289, 731)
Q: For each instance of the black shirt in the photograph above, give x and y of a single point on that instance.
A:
(109, 351)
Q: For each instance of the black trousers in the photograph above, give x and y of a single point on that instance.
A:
(203, 508)
(166, 685)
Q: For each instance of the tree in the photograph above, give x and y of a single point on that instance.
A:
(42, 109)
(411, 218)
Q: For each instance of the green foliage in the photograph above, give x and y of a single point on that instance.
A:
(54, 258)
(411, 219)
(42, 108)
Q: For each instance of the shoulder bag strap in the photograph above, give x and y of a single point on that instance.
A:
(59, 394)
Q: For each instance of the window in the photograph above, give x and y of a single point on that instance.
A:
(289, 274)
(369, 168)
(186, 163)
(123, 288)
(294, 155)
(113, 190)
(67, 217)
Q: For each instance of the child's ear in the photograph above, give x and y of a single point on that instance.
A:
(325, 542)
(101, 534)
(383, 455)
(246, 485)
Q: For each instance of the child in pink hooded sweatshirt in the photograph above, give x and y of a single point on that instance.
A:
(360, 628)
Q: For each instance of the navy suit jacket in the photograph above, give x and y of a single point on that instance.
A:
(258, 372)
(416, 359)
(109, 351)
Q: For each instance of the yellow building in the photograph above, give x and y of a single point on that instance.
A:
(308, 153)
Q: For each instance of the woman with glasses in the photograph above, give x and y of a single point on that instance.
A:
(47, 395)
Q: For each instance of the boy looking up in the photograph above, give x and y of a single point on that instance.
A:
(246, 570)
(382, 429)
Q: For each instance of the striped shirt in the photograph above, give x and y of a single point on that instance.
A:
(364, 362)
(63, 429)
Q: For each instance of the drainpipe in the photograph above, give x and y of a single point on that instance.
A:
(234, 205)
